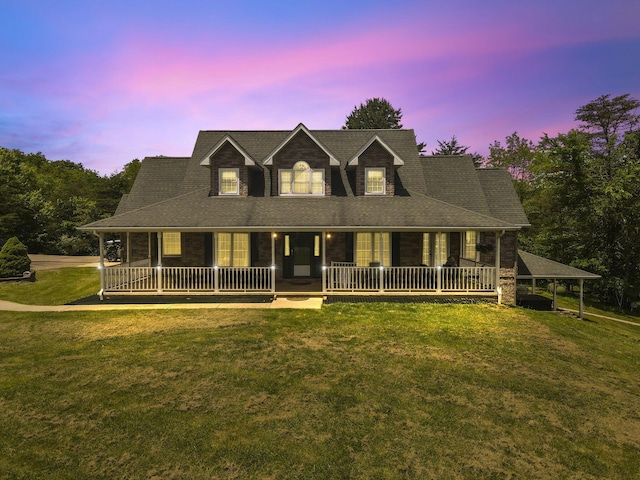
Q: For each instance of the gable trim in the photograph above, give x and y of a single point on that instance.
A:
(333, 161)
(397, 161)
(248, 161)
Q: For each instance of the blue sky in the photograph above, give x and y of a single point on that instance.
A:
(102, 83)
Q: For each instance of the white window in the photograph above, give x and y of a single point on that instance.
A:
(229, 181)
(301, 180)
(171, 244)
(374, 181)
(469, 242)
(373, 247)
(233, 249)
(434, 249)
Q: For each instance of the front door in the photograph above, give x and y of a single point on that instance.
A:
(302, 255)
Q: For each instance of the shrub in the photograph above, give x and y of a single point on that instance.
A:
(13, 258)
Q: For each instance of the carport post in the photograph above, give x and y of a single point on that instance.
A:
(581, 298)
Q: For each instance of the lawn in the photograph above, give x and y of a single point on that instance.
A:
(349, 391)
(53, 287)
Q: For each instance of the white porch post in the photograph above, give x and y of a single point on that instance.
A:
(324, 260)
(101, 267)
(128, 260)
(216, 267)
(129, 248)
(498, 289)
(555, 288)
(273, 262)
(581, 298)
(159, 265)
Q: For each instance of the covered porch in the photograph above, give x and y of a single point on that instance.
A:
(317, 262)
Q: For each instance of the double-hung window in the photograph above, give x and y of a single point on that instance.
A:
(233, 250)
(229, 181)
(434, 249)
(301, 180)
(470, 240)
(374, 181)
(373, 247)
(171, 244)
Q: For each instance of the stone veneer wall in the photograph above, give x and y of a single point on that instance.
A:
(508, 262)
(508, 266)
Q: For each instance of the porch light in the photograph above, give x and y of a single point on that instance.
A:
(99, 267)
(274, 235)
(324, 267)
(273, 267)
(328, 236)
(381, 267)
(159, 267)
(215, 267)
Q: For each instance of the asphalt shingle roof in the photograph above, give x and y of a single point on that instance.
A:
(533, 266)
(431, 192)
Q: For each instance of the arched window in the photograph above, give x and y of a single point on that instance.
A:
(301, 180)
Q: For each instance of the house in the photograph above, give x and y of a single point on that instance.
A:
(348, 212)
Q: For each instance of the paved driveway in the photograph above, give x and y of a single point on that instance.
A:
(49, 262)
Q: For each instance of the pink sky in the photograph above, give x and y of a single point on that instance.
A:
(102, 83)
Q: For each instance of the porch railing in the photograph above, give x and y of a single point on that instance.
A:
(336, 278)
(188, 279)
(409, 279)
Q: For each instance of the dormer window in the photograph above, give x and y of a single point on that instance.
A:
(229, 181)
(301, 180)
(374, 181)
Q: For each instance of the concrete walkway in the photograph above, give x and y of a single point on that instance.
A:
(280, 302)
(597, 315)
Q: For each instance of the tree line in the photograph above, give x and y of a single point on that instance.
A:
(580, 189)
(43, 202)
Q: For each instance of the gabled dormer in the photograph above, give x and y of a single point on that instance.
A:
(301, 165)
(375, 166)
(229, 166)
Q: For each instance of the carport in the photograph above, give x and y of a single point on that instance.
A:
(532, 267)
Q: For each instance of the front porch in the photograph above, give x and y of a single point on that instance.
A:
(343, 279)
(318, 263)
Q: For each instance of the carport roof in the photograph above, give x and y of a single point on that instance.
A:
(532, 266)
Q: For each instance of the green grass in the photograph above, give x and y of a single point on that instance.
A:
(53, 287)
(571, 300)
(349, 391)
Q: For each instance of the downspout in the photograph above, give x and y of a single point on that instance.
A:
(498, 287)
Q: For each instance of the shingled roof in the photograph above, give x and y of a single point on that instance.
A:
(432, 193)
(532, 266)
